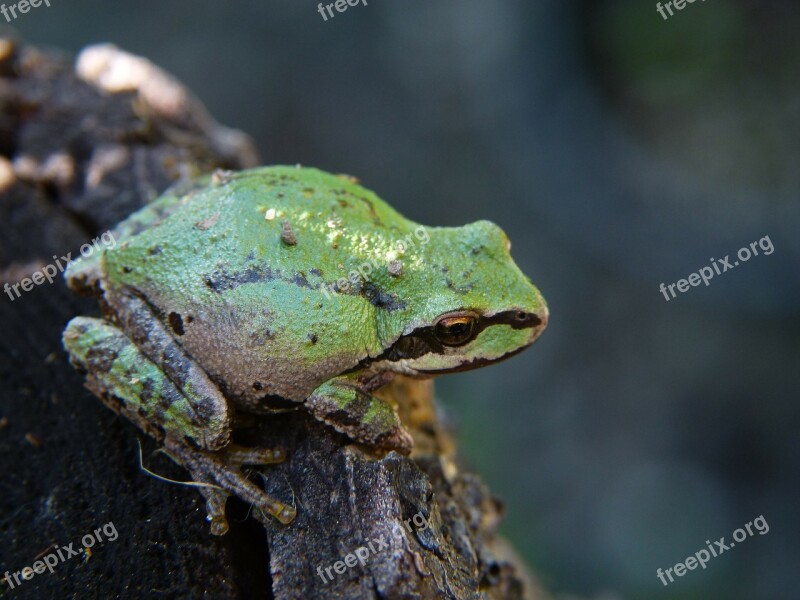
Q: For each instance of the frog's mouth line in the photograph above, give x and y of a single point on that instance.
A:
(473, 364)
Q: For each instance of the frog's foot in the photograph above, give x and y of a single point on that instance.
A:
(345, 406)
(215, 507)
(223, 470)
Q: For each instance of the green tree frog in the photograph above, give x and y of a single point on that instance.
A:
(247, 290)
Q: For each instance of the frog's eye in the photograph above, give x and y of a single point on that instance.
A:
(456, 329)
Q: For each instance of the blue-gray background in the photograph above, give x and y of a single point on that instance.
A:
(619, 151)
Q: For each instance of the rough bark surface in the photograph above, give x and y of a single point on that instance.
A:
(82, 144)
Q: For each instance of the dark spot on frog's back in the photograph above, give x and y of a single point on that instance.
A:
(155, 250)
(176, 323)
(300, 280)
(220, 280)
(381, 299)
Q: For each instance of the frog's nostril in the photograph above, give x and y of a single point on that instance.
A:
(526, 319)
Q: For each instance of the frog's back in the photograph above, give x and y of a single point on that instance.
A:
(295, 219)
(244, 270)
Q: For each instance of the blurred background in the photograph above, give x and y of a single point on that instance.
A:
(618, 150)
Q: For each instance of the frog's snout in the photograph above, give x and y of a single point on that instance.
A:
(533, 316)
(536, 321)
(543, 316)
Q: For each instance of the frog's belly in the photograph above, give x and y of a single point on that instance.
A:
(255, 374)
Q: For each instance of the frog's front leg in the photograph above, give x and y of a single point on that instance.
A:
(194, 430)
(345, 404)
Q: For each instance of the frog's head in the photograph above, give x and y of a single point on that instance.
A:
(472, 305)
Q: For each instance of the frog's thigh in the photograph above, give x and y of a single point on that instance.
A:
(130, 383)
(361, 416)
(156, 343)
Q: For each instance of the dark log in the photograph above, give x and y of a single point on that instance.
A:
(81, 146)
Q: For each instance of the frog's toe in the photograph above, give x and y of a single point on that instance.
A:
(286, 515)
(215, 507)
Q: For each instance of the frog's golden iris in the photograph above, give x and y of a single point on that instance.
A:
(456, 329)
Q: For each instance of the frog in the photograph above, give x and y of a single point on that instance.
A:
(247, 292)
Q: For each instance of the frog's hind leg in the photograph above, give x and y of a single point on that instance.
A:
(130, 384)
(218, 467)
(195, 431)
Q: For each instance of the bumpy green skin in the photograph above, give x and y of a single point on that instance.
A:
(288, 283)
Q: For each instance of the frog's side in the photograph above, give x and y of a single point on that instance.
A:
(285, 284)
